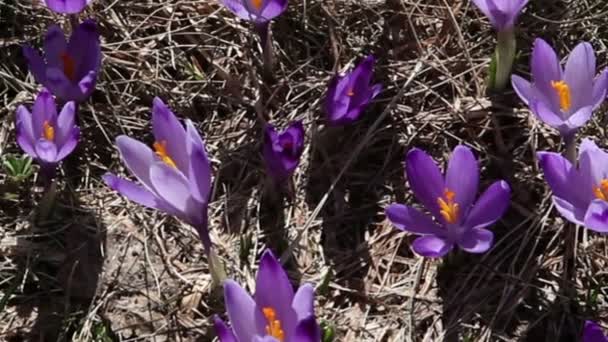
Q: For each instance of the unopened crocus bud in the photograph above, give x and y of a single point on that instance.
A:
(349, 94)
(282, 150)
(67, 6)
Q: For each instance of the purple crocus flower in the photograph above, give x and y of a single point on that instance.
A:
(593, 333)
(69, 69)
(502, 13)
(580, 194)
(274, 314)
(563, 98)
(282, 151)
(348, 95)
(175, 177)
(44, 135)
(450, 200)
(67, 6)
(257, 11)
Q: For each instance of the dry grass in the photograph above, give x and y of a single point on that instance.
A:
(102, 268)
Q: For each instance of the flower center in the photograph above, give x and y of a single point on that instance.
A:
(274, 325)
(601, 192)
(161, 151)
(351, 92)
(48, 132)
(69, 66)
(257, 4)
(563, 92)
(448, 208)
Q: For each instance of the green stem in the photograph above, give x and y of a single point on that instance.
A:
(502, 63)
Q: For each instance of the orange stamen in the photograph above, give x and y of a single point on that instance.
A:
(161, 152)
(69, 66)
(563, 92)
(351, 92)
(448, 207)
(257, 4)
(48, 132)
(274, 325)
(601, 192)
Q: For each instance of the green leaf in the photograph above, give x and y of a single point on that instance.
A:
(327, 331)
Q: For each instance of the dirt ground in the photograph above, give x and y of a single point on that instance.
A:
(101, 268)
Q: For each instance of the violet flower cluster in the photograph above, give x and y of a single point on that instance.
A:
(282, 150)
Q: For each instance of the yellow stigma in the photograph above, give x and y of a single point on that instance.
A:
(161, 152)
(448, 208)
(563, 92)
(601, 192)
(257, 4)
(274, 325)
(69, 66)
(48, 132)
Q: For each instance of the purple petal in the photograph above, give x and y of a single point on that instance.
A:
(86, 86)
(545, 68)
(579, 118)
(425, 179)
(273, 9)
(64, 128)
(570, 212)
(168, 129)
(44, 110)
(462, 176)
(593, 333)
(548, 116)
(359, 82)
(69, 144)
(240, 307)
(137, 157)
(307, 330)
(54, 46)
(67, 6)
(61, 86)
(46, 151)
(336, 100)
(596, 217)
(84, 47)
(593, 168)
(431, 246)
(173, 188)
(560, 176)
(600, 85)
(411, 220)
(524, 89)
(24, 131)
(132, 191)
(476, 241)
(237, 7)
(36, 64)
(490, 206)
(483, 7)
(579, 74)
(273, 290)
(224, 333)
(199, 173)
(303, 301)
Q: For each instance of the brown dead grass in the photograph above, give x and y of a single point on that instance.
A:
(104, 267)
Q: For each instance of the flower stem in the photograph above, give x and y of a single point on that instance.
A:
(48, 201)
(570, 230)
(503, 60)
(263, 30)
(73, 21)
(216, 267)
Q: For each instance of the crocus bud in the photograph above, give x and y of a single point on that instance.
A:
(282, 151)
